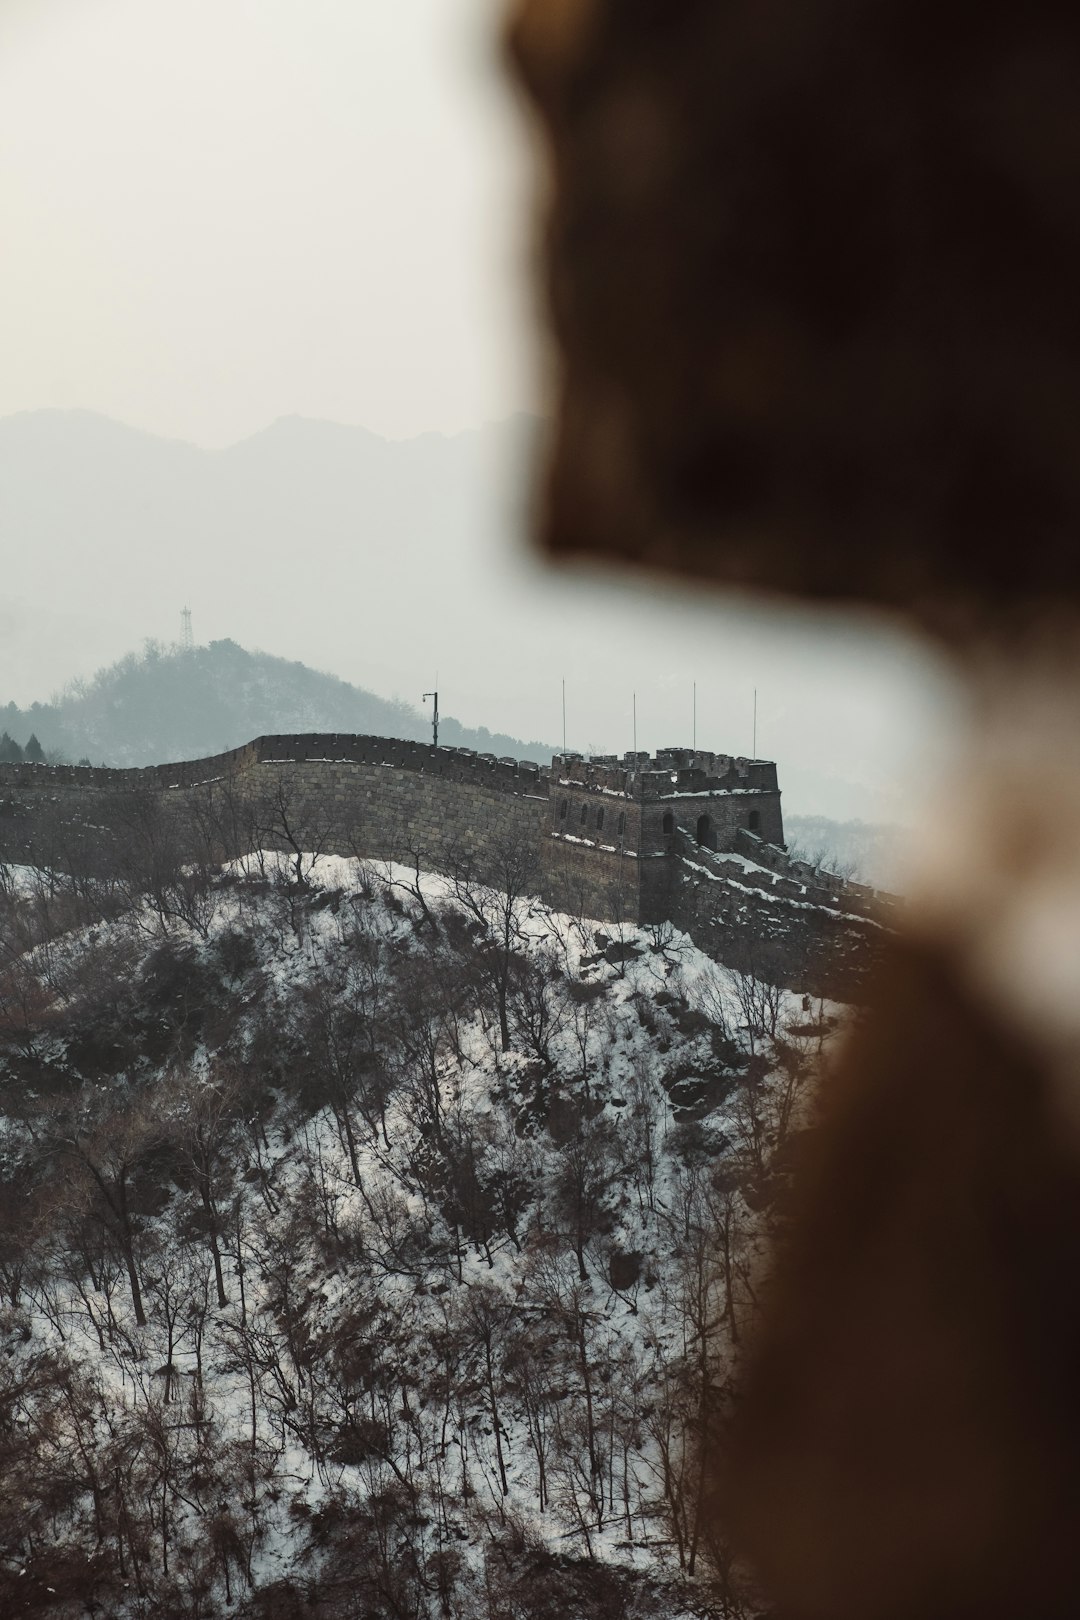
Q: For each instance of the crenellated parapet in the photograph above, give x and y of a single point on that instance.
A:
(690, 837)
(669, 773)
(452, 764)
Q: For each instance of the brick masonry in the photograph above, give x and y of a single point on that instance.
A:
(689, 838)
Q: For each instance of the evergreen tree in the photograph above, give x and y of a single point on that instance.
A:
(33, 753)
(10, 752)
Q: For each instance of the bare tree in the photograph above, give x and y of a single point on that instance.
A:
(498, 894)
(586, 1166)
(158, 860)
(755, 979)
(205, 1112)
(99, 1155)
(287, 821)
(486, 1317)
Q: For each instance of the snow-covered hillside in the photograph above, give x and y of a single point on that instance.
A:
(373, 1247)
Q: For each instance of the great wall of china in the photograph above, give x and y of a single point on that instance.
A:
(683, 837)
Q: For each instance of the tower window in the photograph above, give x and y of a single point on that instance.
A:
(754, 822)
(705, 834)
(562, 810)
(669, 823)
(600, 819)
(584, 814)
(622, 823)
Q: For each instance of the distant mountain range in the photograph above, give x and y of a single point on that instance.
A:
(328, 543)
(168, 703)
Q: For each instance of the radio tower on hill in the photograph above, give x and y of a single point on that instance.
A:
(187, 640)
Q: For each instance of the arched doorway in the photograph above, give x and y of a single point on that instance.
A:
(668, 824)
(706, 835)
(754, 821)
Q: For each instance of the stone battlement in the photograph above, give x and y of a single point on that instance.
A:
(669, 774)
(613, 839)
(453, 764)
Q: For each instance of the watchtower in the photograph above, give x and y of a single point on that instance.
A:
(614, 821)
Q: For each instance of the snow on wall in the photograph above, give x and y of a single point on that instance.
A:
(593, 827)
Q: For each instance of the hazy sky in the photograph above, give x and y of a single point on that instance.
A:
(217, 213)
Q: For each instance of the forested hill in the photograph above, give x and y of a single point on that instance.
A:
(167, 704)
(373, 1244)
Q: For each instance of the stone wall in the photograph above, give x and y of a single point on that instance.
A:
(673, 771)
(729, 813)
(590, 880)
(452, 764)
(809, 939)
(857, 897)
(387, 799)
(344, 795)
(595, 818)
(384, 812)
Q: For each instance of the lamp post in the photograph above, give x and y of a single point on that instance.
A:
(435, 716)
